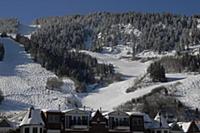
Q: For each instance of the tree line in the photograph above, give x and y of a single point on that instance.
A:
(182, 63)
(9, 25)
(81, 67)
(159, 31)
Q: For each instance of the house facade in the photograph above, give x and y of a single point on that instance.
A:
(76, 121)
(118, 121)
(53, 120)
(84, 121)
(136, 123)
(98, 123)
(160, 124)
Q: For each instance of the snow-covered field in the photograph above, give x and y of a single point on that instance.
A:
(23, 82)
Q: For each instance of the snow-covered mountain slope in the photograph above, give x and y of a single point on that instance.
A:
(23, 82)
(187, 91)
(123, 66)
(115, 94)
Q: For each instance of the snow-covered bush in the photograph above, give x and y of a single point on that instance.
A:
(54, 83)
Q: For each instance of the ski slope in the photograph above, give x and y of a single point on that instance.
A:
(108, 98)
(123, 66)
(115, 94)
(23, 82)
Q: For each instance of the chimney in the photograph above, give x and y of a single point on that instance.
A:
(59, 107)
(197, 113)
(160, 119)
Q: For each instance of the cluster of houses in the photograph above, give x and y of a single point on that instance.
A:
(84, 121)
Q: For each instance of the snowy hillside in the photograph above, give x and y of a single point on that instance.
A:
(115, 94)
(123, 66)
(23, 82)
(187, 91)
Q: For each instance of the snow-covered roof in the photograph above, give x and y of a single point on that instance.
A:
(160, 121)
(4, 122)
(32, 117)
(118, 113)
(50, 110)
(198, 124)
(135, 113)
(184, 125)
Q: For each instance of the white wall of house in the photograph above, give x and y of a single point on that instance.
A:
(39, 128)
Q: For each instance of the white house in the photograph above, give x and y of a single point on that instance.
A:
(32, 122)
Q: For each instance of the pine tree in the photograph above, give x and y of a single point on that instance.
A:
(157, 72)
(2, 51)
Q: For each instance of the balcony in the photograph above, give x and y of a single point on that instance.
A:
(122, 128)
(79, 126)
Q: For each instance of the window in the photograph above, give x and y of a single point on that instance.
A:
(85, 120)
(165, 131)
(40, 130)
(74, 120)
(27, 130)
(79, 120)
(158, 131)
(116, 122)
(35, 130)
(53, 118)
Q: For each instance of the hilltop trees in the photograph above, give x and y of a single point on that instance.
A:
(181, 63)
(81, 67)
(142, 31)
(9, 25)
